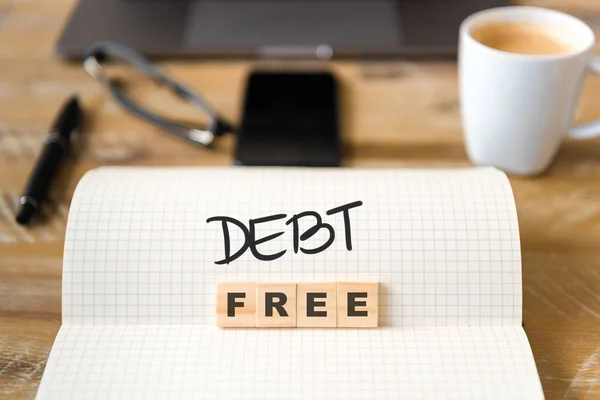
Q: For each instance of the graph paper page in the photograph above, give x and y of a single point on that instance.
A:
(141, 264)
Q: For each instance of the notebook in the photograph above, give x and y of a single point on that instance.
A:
(141, 265)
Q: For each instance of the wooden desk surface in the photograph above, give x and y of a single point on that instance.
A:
(402, 114)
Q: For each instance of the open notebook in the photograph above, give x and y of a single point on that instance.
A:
(140, 276)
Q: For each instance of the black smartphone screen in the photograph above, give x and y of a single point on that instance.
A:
(289, 119)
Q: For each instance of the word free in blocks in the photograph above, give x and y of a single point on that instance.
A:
(302, 305)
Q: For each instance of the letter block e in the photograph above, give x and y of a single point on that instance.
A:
(357, 304)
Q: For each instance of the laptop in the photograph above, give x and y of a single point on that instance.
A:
(319, 29)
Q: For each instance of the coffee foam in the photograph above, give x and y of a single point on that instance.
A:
(526, 37)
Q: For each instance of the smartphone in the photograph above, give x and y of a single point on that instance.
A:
(289, 119)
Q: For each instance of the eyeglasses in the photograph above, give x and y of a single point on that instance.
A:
(100, 52)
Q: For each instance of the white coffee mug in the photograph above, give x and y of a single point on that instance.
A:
(517, 108)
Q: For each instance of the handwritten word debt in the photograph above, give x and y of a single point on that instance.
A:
(302, 305)
(251, 241)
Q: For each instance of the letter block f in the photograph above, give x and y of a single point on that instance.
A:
(236, 304)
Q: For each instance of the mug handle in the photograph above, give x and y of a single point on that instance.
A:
(591, 129)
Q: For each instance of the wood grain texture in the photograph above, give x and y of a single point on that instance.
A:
(244, 312)
(357, 304)
(276, 305)
(394, 114)
(324, 305)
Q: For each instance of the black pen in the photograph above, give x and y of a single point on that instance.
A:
(56, 147)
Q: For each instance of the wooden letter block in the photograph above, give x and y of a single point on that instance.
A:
(236, 304)
(357, 304)
(316, 305)
(276, 305)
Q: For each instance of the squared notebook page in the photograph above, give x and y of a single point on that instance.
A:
(140, 260)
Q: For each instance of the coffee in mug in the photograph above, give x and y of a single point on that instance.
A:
(523, 37)
(521, 71)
